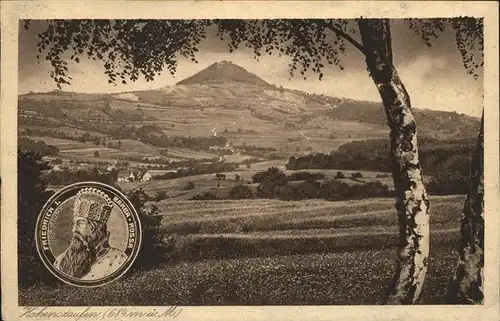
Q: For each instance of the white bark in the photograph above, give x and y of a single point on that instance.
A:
(411, 197)
(468, 282)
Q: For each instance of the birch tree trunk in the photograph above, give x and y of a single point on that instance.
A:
(412, 204)
(468, 281)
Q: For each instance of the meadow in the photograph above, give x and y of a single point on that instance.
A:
(254, 252)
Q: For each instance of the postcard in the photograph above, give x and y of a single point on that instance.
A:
(226, 160)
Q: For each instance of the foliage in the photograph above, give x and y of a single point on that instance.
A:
(67, 176)
(204, 196)
(32, 195)
(153, 250)
(240, 191)
(81, 137)
(129, 49)
(275, 184)
(446, 160)
(39, 147)
(189, 186)
(448, 183)
(272, 183)
(469, 36)
(305, 176)
(356, 175)
(161, 196)
(271, 174)
(198, 168)
(339, 175)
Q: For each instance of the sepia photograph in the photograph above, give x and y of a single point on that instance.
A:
(251, 162)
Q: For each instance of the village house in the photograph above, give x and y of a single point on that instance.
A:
(136, 175)
(226, 148)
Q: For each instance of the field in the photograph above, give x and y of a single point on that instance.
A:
(174, 188)
(271, 252)
(62, 144)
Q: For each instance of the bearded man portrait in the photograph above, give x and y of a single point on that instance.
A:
(89, 255)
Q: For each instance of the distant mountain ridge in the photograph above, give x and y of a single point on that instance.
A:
(228, 94)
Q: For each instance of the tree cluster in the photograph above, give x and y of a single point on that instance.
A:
(274, 183)
(38, 147)
(67, 176)
(447, 161)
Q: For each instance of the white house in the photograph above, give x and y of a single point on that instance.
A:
(146, 177)
(138, 175)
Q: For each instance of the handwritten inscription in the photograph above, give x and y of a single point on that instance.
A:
(100, 313)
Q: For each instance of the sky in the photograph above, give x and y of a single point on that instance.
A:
(434, 76)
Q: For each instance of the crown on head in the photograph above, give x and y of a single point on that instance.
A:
(92, 203)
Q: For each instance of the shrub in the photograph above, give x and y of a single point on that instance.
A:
(273, 174)
(205, 196)
(448, 184)
(32, 195)
(25, 145)
(220, 176)
(270, 182)
(240, 192)
(153, 250)
(339, 175)
(307, 190)
(304, 176)
(67, 176)
(189, 186)
(161, 196)
(356, 175)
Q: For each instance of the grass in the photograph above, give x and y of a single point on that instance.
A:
(343, 278)
(191, 217)
(255, 252)
(62, 144)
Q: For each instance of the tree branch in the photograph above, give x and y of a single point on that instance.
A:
(344, 35)
(389, 40)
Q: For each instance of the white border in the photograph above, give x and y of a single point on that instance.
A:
(12, 11)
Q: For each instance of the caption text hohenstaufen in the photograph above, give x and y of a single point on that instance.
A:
(118, 313)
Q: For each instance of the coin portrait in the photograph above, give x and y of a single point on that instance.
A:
(88, 234)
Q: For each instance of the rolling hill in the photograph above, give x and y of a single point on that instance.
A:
(225, 99)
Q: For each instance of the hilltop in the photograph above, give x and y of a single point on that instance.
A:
(223, 72)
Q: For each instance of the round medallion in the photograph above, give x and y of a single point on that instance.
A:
(88, 234)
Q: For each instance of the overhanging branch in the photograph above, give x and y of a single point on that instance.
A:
(344, 35)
